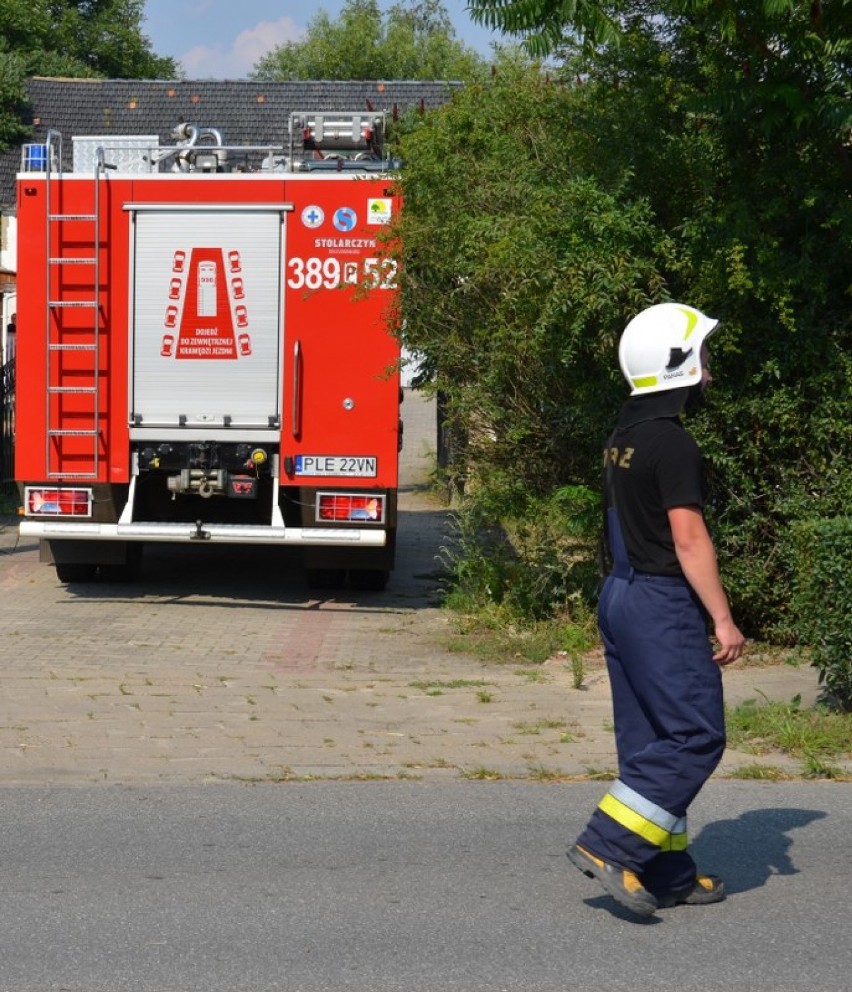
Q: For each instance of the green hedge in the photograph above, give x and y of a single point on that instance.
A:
(823, 601)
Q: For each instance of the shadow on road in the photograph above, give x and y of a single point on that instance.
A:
(745, 851)
(750, 849)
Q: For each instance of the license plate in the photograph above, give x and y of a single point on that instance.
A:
(351, 466)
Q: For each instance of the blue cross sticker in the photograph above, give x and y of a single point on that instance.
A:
(312, 216)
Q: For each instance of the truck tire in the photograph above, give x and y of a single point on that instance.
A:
(75, 571)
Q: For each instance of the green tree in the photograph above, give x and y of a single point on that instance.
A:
(788, 60)
(414, 40)
(734, 122)
(544, 24)
(12, 99)
(518, 270)
(81, 38)
(70, 38)
(722, 131)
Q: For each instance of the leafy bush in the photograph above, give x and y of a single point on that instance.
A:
(9, 499)
(823, 602)
(535, 560)
(773, 440)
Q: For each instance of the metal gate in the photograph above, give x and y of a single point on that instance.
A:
(7, 421)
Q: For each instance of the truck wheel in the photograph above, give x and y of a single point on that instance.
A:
(326, 578)
(368, 579)
(75, 571)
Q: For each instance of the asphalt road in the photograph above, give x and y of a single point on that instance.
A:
(417, 887)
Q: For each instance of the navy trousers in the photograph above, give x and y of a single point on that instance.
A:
(669, 724)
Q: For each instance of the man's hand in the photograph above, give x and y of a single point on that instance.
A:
(731, 642)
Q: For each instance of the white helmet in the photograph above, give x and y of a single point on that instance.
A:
(661, 347)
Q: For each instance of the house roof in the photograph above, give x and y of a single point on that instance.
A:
(243, 111)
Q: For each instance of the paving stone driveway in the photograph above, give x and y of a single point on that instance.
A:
(220, 663)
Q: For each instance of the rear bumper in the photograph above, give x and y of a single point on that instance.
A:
(185, 533)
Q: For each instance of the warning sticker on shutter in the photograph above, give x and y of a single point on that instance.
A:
(204, 328)
(353, 466)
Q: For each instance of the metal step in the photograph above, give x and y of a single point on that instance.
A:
(72, 261)
(66, 433)
(72, 389)
(72, 217)
(72, 303)
(72, 347)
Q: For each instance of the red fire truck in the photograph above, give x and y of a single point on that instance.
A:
(204, 352)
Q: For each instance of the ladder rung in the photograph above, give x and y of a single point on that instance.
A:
(67, 433)
(72, 347)
(72, 217)
(72, 389)
(72, 261)
(72, 303)
(72, 475)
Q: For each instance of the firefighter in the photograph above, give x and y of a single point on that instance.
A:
(664, 584)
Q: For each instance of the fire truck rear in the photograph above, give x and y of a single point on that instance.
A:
(204, 353)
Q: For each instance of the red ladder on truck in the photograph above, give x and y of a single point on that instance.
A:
(74, 326)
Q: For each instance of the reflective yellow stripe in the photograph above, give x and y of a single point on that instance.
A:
(644, 807)
(678, 842)
(645, 828)
(637, 824)
(648, 380)
(691, 322)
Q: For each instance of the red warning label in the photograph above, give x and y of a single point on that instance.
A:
(206, 323)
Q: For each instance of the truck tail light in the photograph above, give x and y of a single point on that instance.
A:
(337, 507)
(52, 501)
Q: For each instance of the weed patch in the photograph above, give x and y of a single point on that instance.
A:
(759, 773)
(483, 774)
(453, 684)
(814, 736)
(494, 633)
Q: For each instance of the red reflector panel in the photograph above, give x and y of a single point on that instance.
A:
(349, 507)
(53, 502)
